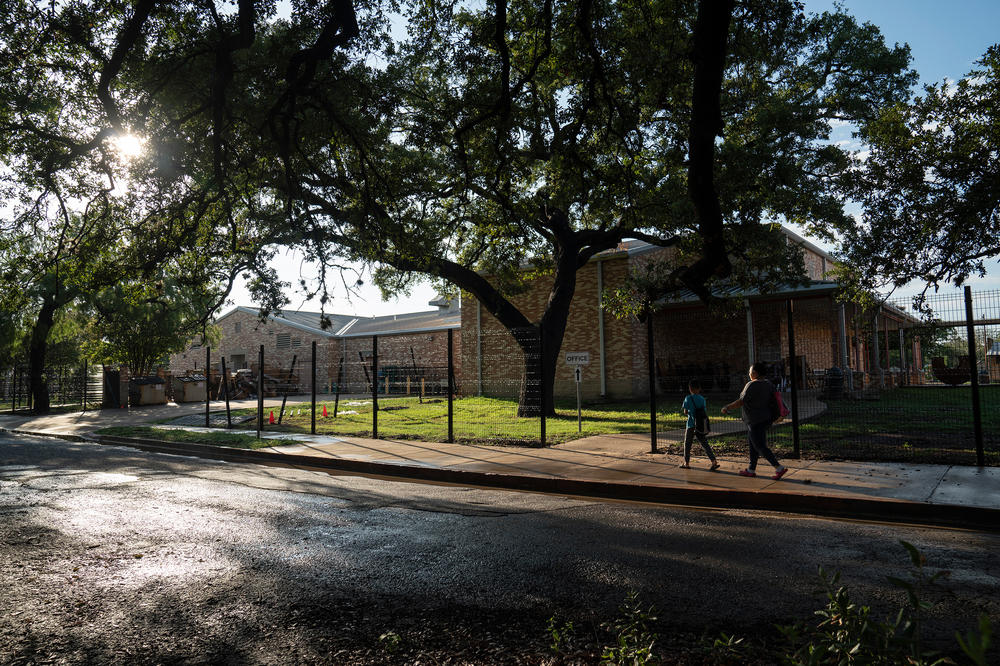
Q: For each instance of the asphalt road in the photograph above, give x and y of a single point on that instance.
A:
(109, 554)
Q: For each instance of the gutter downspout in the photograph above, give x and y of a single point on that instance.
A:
(479, 348)
(600, 327)
(750, 345)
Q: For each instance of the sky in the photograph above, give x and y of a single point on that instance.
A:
(945, 38)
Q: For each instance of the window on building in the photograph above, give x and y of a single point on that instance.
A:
(236, 327)
(296, 342)
(283, 341)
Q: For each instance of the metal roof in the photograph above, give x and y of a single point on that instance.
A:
(815, 288)
(347, 326)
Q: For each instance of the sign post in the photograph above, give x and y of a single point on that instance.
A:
(578, 360)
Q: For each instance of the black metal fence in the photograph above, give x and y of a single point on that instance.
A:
(897, 382)
(68, 387)
(387, 387)
(892, 382)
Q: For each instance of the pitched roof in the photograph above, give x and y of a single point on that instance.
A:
(347, 326)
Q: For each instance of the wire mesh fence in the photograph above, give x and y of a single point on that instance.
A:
(897, 382)
(900, 381)
(67, 387)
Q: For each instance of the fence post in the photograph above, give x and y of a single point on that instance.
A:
(451, 406)
(208, 381)
(977, 414)
(84, 387)
(260, 391)
(795, 383)
(374, 387)
(541, 381)
(340, 378)
(225, 386)
(284, 398)
(312, 427)
(650, 363)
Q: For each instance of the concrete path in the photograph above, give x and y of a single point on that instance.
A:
(614, 466)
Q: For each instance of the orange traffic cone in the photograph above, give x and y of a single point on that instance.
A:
(324, 411)
(271, 420)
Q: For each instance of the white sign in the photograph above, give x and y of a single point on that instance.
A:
(577, 358)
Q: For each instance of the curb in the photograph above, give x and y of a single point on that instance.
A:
(57, 435)
(879, 510)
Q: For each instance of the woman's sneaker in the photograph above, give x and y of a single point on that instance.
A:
(747, 472)
(780, 473)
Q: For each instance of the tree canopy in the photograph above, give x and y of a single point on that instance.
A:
(930, 187)
(468, 142)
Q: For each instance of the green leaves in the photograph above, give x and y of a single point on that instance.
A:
(931, 184)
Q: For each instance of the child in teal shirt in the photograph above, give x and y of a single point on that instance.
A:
(696, 408)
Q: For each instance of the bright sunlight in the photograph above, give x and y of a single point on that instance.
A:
(128, 146)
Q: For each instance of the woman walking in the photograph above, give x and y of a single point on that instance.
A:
(755, 399)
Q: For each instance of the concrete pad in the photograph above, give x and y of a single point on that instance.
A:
(879, 480)
(969, 486)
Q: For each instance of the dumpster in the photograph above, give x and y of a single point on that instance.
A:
(190, 388)
(147, 391)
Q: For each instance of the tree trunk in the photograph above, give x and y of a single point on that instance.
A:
(549, 340)
(36, 355)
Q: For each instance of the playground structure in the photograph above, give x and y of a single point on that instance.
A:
(951, 376)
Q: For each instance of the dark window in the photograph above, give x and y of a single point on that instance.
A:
(236, 327)
(283, 341)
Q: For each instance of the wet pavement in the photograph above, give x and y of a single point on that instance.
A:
(615, 466)
(110, 554)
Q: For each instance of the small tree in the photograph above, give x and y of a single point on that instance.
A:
(139, 325)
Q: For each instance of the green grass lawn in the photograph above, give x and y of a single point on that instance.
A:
(235, 440)
(476, 419)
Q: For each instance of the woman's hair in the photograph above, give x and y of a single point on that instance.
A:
(759, 369)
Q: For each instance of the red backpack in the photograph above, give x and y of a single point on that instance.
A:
(778, 409)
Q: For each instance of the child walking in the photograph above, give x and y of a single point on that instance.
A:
(696, 408)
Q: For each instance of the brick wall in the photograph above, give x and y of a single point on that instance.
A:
(243, 333)
(502, 360)
(429, 355)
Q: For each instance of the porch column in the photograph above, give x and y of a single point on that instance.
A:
(845, 357)
(903, 365)
(876, 361)
(750, 343)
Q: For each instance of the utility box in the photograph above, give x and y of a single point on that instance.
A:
(190, 388)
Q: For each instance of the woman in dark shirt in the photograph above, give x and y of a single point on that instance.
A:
(755, 399)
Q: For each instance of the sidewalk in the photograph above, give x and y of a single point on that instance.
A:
(608, 466)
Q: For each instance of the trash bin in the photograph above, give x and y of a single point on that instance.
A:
(147, 391)
(833, 385)
(190, 388)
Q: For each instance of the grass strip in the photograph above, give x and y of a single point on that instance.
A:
(234, 440)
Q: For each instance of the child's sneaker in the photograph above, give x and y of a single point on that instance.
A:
(715, 466)
(780, 473)
(747, 472)
(685, 465)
